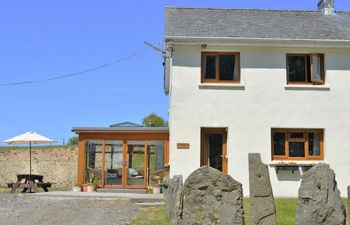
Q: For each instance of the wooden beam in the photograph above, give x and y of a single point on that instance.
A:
(81, 162)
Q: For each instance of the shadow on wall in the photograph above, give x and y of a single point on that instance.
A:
(264, 58)
(338, 61)
(253, 58)
(289, 176)
(187, 57)
(260, 58)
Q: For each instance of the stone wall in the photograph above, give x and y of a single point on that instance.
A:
(56, 164)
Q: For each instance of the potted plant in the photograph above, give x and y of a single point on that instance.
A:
(85, 187)
(149, 190)
(76, 188)
(90, 187)
(156, 189)
(95, 182)
(157, 185)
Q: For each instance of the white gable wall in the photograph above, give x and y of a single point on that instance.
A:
(250, 113)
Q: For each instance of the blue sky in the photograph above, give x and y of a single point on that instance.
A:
(43, 39)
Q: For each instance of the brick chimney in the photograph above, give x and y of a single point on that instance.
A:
(326, 7)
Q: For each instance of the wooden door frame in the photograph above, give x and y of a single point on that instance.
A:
(104, 158)
(204, 152)
(126, 165)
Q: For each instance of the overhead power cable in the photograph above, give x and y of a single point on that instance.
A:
(73, 74)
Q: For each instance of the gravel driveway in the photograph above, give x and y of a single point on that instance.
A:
(26, 209)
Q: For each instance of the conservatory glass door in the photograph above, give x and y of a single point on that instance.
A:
(113, 164)
(135, 164)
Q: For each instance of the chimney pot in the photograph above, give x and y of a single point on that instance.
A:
(326, 7)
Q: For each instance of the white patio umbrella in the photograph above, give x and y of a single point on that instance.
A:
(30, 138)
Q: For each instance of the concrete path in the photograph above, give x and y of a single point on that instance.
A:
(38, 209)
(137, 197)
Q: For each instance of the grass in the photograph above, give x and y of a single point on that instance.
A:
(286, 210)
(151, 216)
(345, 202)
(285, 207)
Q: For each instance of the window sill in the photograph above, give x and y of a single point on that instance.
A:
(307, 87)
(293, 166)
(276, 163)
(224, 86)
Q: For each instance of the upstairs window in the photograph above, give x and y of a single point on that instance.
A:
(305, 69)
(220, 67)
(297, 144)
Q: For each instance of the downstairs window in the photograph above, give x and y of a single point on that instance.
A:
(297, 144)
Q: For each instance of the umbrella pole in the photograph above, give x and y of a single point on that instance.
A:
(30, 157)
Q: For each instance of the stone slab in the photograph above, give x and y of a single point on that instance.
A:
(319, 198)
(262, 204)
(212, 198)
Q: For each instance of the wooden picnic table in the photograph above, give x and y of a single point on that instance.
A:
(29, 182)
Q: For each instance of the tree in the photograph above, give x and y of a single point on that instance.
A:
(73, 141)
(153, 120)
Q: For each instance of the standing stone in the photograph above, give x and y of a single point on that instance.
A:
(262, 204)
(173, 197)
(319, 198)
(210, 198)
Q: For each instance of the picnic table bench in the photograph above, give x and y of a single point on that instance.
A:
(29, 182)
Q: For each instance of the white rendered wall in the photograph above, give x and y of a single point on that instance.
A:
(250, 113)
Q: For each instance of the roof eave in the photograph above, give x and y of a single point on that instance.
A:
(119, 129)
(268, 42)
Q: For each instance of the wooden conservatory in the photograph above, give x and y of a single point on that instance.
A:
(124, 155)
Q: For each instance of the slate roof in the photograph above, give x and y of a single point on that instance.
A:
(254, 23)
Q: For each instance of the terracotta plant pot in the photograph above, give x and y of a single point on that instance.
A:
(149, 190)
(85, 187)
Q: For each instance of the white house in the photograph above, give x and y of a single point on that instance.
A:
(275, 82)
